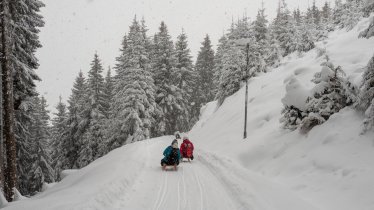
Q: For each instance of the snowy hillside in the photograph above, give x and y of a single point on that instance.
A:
(273, 169)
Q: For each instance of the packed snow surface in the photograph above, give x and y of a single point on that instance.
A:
(331, 168)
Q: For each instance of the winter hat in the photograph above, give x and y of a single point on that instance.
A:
(185, 136)
(174, 144)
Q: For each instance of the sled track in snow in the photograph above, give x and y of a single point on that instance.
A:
(161, 194)
(202, 198)
(216, 168)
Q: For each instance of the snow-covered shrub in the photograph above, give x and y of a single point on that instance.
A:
(310, 121)
(320, 51)
(369, 32)
(294, 104)
(330, 95)
(366, 97)
(291, 117)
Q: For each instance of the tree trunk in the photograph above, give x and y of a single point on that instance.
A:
(10, 141)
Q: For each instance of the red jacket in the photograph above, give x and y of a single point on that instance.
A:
(186, 144)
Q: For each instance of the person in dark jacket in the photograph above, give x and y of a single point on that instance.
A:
(172, 155)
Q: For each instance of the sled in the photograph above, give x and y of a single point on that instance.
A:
(169, 168)
(186, 159)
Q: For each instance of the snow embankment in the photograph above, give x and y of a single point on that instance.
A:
(92, 187)
(331, 167)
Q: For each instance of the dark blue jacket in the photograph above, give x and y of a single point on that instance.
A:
(168, 151)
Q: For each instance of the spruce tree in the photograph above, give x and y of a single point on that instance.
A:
(205, 69)
(134, 105)
(19, 40)
(186, 81)
(283, 29)
(368, 8)
(59, 146)
(169, 96)
(40, 170)
(77, 121)
(366, 96)
(108, 94)
(93, 115)
(233, 61)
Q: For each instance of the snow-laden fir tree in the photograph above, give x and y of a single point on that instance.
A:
(368, 8)
(274, 55)
(283, 29)
(19, 33)
(93, 115)
(231, 76)
(108, 94)
(205, 69)
(304, 39)
(134, 105)
(169, 96)
(76, 122)
(186, 81)
(329, 96)
(262, 38)
(352, 13)
(218, 62)
(40, 170)
(366, 96)
(59, 147)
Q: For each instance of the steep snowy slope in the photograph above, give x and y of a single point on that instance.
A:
(331, 168)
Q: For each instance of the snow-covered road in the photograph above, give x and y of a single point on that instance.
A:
(193, 186)
(208, 182)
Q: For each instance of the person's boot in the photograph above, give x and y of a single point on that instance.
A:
(164, 167)
(175, 166)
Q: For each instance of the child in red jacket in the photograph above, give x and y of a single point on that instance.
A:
(187, 149)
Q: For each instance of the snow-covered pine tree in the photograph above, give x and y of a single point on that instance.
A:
(366, 96)
(76, 122)
(108, 94)
(232, 72)
(186, 81)
(329, 96)
(39, 170)
(368, 8)
(168, 95)
(303, 37)
(134, 105)
(283, 29)
(274, 55)
(205, 69)
(59, 149)
(338, 12)
(19, 27)
(94, 115)
(218, 63)
(262, 38)
(351, 14)
(297, 15)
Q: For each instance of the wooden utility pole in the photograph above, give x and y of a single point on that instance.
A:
(246, 91)
(8, 104)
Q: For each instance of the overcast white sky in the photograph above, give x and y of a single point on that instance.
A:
(76, 29)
